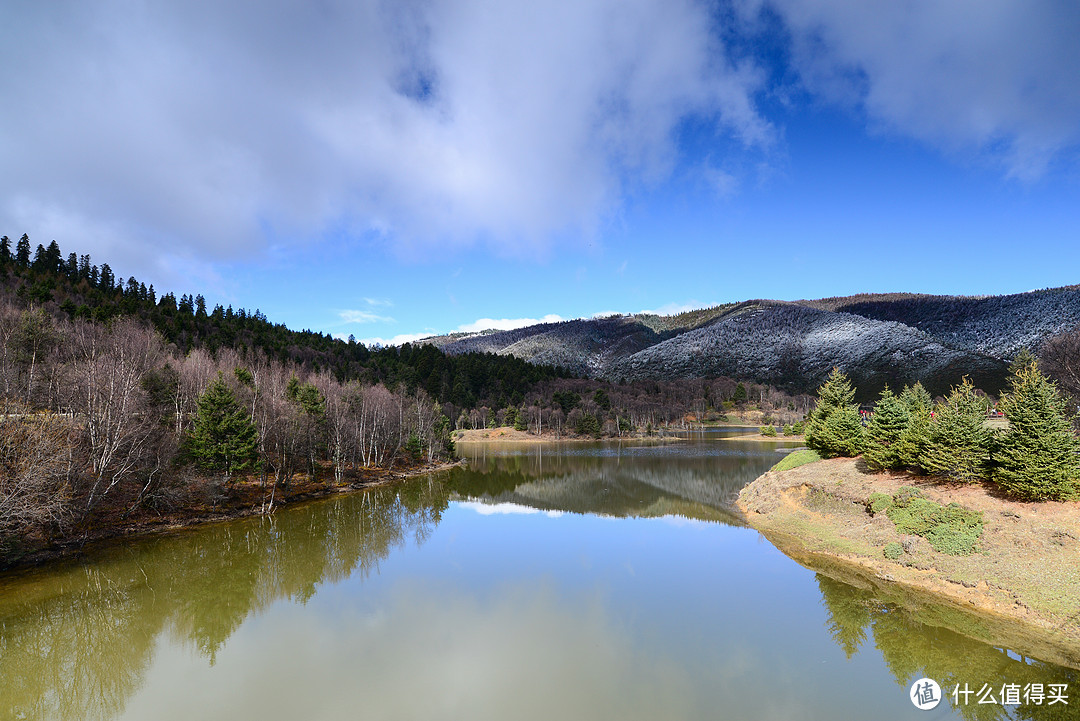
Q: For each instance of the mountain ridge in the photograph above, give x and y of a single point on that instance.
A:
(894, 338)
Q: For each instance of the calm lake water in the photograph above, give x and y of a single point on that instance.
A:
(588, 581)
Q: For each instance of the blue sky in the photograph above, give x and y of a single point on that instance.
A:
(394, 169)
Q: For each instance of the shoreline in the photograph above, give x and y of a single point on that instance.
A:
(758, 438)
(237, 507)
(506, 434)
(1020, 589)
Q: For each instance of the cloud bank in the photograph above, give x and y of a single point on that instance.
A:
(172, 134)
(1000, 78)
(210, 130)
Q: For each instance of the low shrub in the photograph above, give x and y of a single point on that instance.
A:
(950, 529)
(879, 502)
(893, 551)
(768, 431)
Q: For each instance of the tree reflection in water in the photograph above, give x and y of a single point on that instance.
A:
(75, 641)
(911, 650)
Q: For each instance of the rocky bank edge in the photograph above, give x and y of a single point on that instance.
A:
(240, 499)
(1020, 590)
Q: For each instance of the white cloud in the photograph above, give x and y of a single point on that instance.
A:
(1000, 77)
(363, 316)
(215, 127)
(384, 302)
(506, 323)
(400, 339)
(492, 509)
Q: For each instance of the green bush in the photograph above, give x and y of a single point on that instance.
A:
(768, 431)
(788, 430)
(413, 447)
(950, 529)
(893, 551)
(905, 494)
(588, 425)
(879, 503)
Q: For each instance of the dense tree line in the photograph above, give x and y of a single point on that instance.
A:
(593, 407)
(75, 288)
(93, 412)
(1036, 458)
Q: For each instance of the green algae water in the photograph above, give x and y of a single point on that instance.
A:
(581, 581)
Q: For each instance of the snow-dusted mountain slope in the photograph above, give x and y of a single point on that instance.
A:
(895, 338)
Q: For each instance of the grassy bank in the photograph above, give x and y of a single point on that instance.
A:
(1014, 565)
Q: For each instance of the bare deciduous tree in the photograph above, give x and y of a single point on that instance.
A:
(1059, 358)
(109, 364)
(36, 466)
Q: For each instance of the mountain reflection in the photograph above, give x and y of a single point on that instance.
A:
(692, 479)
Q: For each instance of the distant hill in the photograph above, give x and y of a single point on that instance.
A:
(75, 288)
(877, 339)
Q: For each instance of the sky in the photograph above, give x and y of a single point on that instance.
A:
(394, 169)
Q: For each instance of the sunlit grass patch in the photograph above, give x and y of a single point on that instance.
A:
(796, 459)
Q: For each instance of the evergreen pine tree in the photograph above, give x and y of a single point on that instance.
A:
(740, 395)
(106, 281)
(53, 258)
(834, 427)
(883, 433)
(1037, 456)
(959, 443)
(913, 439)
(39, 263)
(223, 437)
(5, 250)
(1020, 362)
(22, 251)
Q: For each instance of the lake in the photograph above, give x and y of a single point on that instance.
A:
(582, 581)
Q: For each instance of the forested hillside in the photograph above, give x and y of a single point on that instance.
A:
(998, 326)
(891, 338)
(74, 288)
(117, 404)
